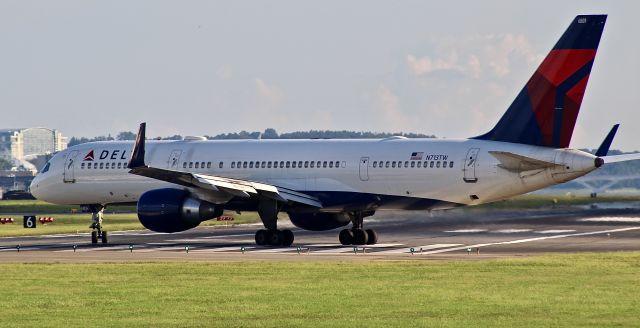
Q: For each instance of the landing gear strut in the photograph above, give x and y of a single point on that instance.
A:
(268, 211)
(97, 212)
(357, 235)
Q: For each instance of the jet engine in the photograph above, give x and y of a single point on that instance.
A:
(319, 221)
(174, 210)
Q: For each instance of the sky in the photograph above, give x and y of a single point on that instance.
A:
(448, 68)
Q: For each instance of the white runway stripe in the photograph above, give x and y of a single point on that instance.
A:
(466, 231)
(511, 230)
(518, 241)
(417, 248)
(554, 231)
(611, 219)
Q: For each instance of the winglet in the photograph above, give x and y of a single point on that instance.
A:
(137, 155)
(606, 143)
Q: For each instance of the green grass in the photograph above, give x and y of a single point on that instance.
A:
(586, 290)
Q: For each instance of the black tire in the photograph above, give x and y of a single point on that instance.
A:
(287, 238)
(372, 237)
(104, 237)
(346, 237)
(262, 237)
(275, 237)
(359, 237)
(94, 237)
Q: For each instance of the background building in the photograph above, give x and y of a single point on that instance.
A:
(25, 144)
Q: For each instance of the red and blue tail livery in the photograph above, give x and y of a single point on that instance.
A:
(544, 113)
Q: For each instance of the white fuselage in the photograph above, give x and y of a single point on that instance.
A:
(457, 172)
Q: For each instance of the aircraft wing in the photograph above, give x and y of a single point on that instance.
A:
(519, 163)
(212, 183)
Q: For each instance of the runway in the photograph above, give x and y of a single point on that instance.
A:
(468, 235)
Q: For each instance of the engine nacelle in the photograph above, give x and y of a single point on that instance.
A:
(174, 210)
(319, 221)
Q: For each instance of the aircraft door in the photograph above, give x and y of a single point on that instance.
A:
(364, 168)
(174, 159)
(69, 167)
(470, 163)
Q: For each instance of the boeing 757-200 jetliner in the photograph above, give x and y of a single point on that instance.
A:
(327, 184)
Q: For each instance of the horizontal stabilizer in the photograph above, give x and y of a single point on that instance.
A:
(518, 163)
(620, 158)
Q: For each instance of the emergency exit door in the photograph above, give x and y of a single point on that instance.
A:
(174, 159)
(364, 168)
(470, 164)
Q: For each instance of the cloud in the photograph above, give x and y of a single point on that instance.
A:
(477, 56)
(267, 92)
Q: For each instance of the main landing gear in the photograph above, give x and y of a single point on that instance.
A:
(97, 212)
(268, 212)
(358, 235)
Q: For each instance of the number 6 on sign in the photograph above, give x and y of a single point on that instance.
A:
(29, 221)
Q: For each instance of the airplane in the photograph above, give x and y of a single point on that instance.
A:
(327, 184)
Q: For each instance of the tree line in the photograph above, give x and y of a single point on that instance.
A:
(267, 134)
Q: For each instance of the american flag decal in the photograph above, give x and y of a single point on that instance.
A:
(417, 156)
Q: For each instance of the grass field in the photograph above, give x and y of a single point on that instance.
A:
(586, 290)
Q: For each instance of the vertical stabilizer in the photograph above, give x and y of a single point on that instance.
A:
(544, 113)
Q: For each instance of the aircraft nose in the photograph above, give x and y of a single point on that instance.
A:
(34, 187)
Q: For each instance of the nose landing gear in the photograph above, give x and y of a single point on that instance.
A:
(97, 213)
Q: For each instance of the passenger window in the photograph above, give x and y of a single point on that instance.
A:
(244, 165)
(288, 164)
(101, 165)
(269, 164)
(233, 165)
(375, 164)
(451, 164)
(47, 168)
(209, 165)
(393, 164)
(318, 163)
(330, 165)
(281, 164)
(337, 164)
(197, 165)
(263, 165)
(190, 165)
(306, 164)
(324, 164)
(438, 164)
(95, 165)
(113, 165)
(413, 164)
(250, 165)
(221, 165)
(119, 165)
(444, 164)
(426, 164)
(406, 164)
(386, 164)
(293, 165)
(431, 164)
(184, 165)
(299, 164)
(313, 164)
(419, 164)
(81, 166)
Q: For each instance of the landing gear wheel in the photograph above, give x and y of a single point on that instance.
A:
(346, 237)
(359, 237)
(275, 237)
(94, 237)
(103, 237)
(287, 238)
(262, 237)
(372, 237)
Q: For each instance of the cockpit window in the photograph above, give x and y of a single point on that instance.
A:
(46, 168)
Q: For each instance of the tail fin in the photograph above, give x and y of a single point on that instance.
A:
(544, 113)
